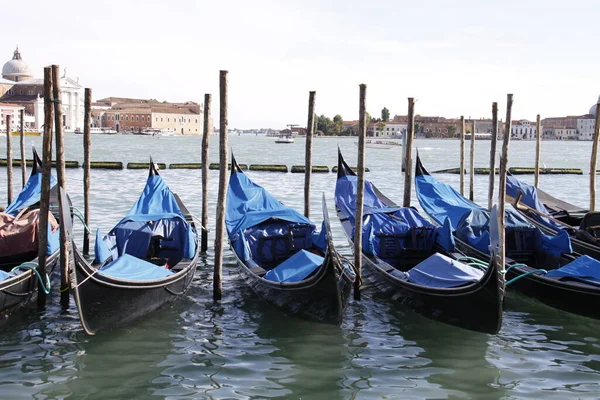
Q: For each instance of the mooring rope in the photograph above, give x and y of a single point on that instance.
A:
(32, 265)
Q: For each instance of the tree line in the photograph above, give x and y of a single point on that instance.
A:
(335, 127)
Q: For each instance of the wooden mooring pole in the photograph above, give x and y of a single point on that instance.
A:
(45, 194)
(360, 187)
(462, 155)
(9, 192)
(87, 147)
(493, 154)
(502, 182)
(538, 141)
(223, 182)
(472, 165)
(22, 146)
(205, 142)
(410, 132)
(310, 128)
(594, 159)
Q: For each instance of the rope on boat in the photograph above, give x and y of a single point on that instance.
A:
(473, 262)
(543, 271)
(516, 265)
(31, 265)
(79, 215)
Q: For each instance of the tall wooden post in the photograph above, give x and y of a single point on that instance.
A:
(205, 137)
(410, 133)
(60, 174)
(594, 159)
(22, 146)
(223, 182)
(9, 192)
(472, 166)
(462, 155)
(87, 147)
(310, 129)
(360, 187)
(502, 183)
(45, 191)
(493, 154)
(538, 141)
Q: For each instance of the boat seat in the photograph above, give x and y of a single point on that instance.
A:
(589, 231)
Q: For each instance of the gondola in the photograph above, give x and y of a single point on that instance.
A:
(552, 216)
(19, 225)
(282, 256)
(144, 263)
(415, 262)
(538, 265)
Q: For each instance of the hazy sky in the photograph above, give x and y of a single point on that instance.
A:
(454, 57)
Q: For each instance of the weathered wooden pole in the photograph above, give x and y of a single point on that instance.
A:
(9, 193)
(22, 146)
(594, 159)
(472, 166)
(493, 154)
(87, 147)
(502, 183)
(45, 191)
(310, 128)
(223, 182)
(462, 155)
(61, 182)
(410, 132)
(538, 141)
(360, 187)
(205, 137)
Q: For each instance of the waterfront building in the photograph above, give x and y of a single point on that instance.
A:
(12, 110)
(585, 127)
(523, 129)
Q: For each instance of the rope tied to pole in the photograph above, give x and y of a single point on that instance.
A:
(32, 265)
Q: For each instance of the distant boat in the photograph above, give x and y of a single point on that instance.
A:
(381, 144)
(97, 130)
(285, 139)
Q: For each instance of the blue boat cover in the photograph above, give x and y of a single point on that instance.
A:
(29, 195)
(530, 198)
(295, 268)
(131, 268)
(584, 268)
(5, 275)
(388, 230)
(440, 271)
(470, 222)
(248, 205)
(155, 217)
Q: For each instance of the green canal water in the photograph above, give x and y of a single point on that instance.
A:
(242, 348)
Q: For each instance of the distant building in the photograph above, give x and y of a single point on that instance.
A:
(523, 129)
(585, 127)
(13, 111)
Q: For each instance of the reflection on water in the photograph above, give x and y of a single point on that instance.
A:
(244, 348)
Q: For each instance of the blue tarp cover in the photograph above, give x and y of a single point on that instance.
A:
(584, 268)
(383, 224)
(248, 205)
(5, 275)
(29, 195)
(131, 268)
(441, 271)
(295, 268)
(530, 198)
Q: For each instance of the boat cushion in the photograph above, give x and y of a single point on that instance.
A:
(295, 268)
(131, 268)
(584, 268)
(441, 271)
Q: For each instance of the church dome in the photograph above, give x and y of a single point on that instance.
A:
(16, 69)
(593, 109)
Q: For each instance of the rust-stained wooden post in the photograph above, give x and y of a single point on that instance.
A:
(223, 182)
(538, 141)
(493, 154)
(310, 128)
(410, 133)
(22, 146)
(472, 166)
(502, 182)
(594, 159)
(87, 147)
(9, 171)
(61, 182)
(360, 188)
(45, 191)
(462, 155)
(205, 142)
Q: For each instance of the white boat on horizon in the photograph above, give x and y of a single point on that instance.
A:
(285, 139)
(380, 144)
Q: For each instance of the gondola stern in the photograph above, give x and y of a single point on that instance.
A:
(37, 162)
(419, 168)
(343, 168)
(153, 168)
(235, 167)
